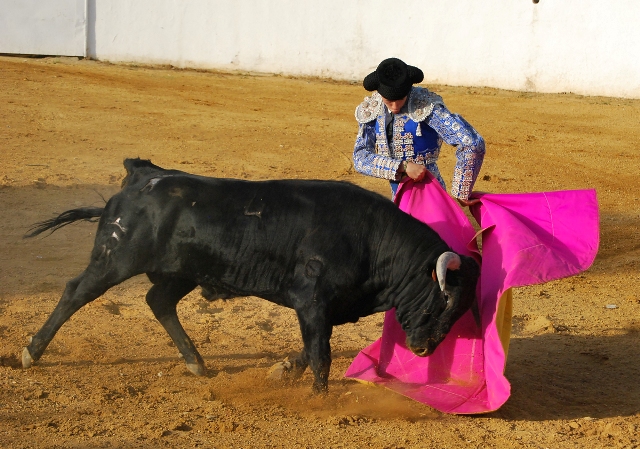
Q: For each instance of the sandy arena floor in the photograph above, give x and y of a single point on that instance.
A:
(112, 378)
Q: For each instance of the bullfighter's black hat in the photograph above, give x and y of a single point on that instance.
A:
(393, 79)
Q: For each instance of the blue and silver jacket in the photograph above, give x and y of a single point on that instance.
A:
(418, 132)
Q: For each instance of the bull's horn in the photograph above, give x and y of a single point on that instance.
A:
(446, 261)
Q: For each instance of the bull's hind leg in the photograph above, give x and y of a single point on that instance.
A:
(163, 298)
(310, 303)
(316, 335)
(78, 292)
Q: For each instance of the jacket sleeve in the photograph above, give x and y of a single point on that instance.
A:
(367, 161)
(470, 148)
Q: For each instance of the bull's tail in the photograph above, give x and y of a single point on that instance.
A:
(90, 214)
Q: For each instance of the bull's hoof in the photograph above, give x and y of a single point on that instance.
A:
(196, 369)
(320, 389)
(27, 360)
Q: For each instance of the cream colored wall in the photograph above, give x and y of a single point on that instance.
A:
(50, 27)
(583, 46)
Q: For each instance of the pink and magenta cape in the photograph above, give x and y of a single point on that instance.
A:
(527, 239)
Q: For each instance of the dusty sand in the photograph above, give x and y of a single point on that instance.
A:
(112, 378)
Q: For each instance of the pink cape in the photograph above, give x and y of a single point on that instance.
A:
(527, 239)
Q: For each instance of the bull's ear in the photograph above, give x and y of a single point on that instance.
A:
(433, 276)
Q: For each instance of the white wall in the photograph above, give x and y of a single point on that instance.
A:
(583, 46)
(45, 27)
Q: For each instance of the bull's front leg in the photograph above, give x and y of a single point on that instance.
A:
(316, 335)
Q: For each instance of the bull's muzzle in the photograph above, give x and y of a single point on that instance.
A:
(423, 350)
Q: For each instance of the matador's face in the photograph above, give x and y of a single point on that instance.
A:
(396, 105)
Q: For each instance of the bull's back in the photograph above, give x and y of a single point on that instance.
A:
(250, 235)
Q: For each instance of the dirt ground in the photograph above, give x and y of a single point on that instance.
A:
(112, 378)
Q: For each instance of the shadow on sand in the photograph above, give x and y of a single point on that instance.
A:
(564, 376)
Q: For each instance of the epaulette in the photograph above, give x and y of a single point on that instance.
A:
(421, 104)
(370, 108)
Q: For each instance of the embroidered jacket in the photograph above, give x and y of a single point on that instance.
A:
(418, 132)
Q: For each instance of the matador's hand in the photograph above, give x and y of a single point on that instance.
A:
(415, 171)
(466, 203)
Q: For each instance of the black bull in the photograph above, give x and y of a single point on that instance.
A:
(331, 251)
